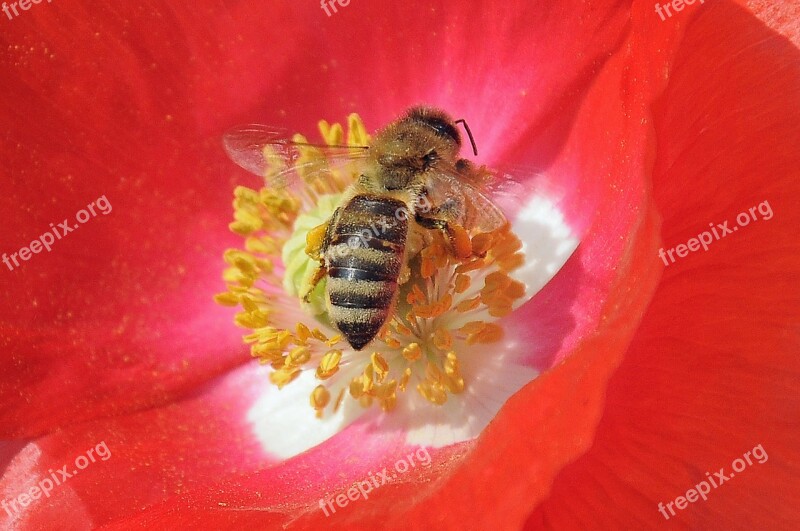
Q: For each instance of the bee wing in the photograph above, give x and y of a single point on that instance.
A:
(476, 210)
(269, 152)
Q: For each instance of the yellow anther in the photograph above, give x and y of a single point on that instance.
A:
(244, 193)
(332, 341)
(412, 352)
(256, 319)
(442, 339)
(298, 356)
(319, 335)
(320, 397)
(356, 388)
(379, 366)
(462, 283)
(455, 384)
(333, 135)
(368, 378)
(404, 379)
(490, 333)
(401, 328)
(329, 364)
(356, 131)
(282, 377)
(471, 265)
(468, 304)
(432, 392)
(416, 296)
(303, 333)
(451, 364)
(392, 342)
(258, 246)
(227, 299)
(435, 309)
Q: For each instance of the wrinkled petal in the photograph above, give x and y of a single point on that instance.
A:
(712, 373)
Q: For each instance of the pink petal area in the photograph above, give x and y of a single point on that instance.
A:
(162, 452)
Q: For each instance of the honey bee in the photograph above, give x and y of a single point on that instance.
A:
(410, 182)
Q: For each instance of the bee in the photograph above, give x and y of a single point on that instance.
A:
(410, 182)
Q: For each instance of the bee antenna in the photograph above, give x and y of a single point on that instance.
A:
(469, 134)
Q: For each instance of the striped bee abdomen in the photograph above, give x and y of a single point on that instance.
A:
(364, 258)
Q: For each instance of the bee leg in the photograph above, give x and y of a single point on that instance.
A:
(317, 241)
(319, 274)
(318, 238)
(405, 274)
(456, 236)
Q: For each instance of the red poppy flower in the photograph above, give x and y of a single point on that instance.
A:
(641, 133)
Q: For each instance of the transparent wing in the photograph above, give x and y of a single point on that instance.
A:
(474, 210)
(270, 152)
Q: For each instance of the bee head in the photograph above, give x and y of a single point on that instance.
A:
(414, 145)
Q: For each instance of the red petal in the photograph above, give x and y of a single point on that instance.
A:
(712, 372)
(102, 102)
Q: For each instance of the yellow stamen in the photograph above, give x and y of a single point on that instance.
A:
(379, 366)
(320, 397)
(442, 339)
(329, 365)
(298, 356)
(282, 377)
(412, 352)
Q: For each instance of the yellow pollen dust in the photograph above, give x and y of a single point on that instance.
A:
(445, 309)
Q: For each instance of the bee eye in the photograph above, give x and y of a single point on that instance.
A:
(429, 158)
